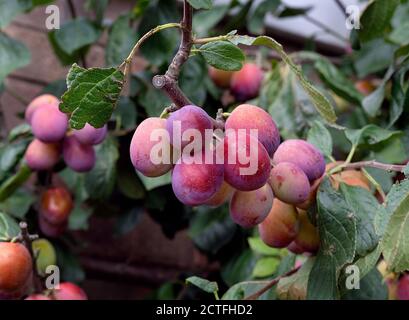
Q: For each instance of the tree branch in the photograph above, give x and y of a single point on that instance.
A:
(169, 81)
(374, 164)
(271, 284)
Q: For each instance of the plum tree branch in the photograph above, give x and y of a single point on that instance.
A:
(271, 284)
(169, 81)
(374, 164)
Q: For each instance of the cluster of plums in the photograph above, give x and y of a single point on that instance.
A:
(52, 138)
(16, 277)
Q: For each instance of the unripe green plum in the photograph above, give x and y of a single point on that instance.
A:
(251, 117)
(42, 156)
(222, 195)
(142, 144)
(49, 124)
(15, 270)
(246, 83)
(45, 99)
(69, 291)
(249, 208)
(281, 226)
(90, 135)
(289, 183)
(78, 157)
(245, 174)
(195, 183)
(56, 205)
(45, 255)
(303, 154)
(307, 237)
(221, 78)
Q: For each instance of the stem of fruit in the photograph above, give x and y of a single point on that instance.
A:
(27, 240)
(169, 81)
(210, 39)
(347, 161)
(375, 184)
(271, 284)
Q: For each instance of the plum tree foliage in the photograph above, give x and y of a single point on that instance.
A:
(303, 173)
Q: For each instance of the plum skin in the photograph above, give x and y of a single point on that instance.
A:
(188, 117)
(221, 78)
(403, 287)
(281, 226)
(69, 291)
(304, 155)
(15, 270)
(246, 83)
(90, 135)
(307, 237)
(196, 183)
(249, 208)
(142, 144)
(233, 145)
(56, 205)
(290, 184)
(42, 156)
(79, 157)
(45, 99)
(49, 124)
(248, 117)
(221, 196)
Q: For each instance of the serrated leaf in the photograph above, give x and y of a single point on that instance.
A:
(244, 289)
(92, 95)
(265, 267)
(370, 134)
(223, 55)
(321, 103)
(8, 227)
(201, 4)
(205, 285)
(400, 34)
(320, 137)
(10, 9)
(322, 280)
(376, 18)
(13, 55)
(84, 31)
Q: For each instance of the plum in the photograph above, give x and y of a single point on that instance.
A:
(56, 205)
(403, 287)
(79, 157)
(45, 99)
(49, 124)
(307, 237)
(221, 78)
(91, 135)
(222, 195)
(42, 156)
(69, 291)
(246, 83)
(45, 255)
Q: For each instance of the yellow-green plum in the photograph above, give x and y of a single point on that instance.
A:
(91, 135)
(49, 124)
(281, 226)
(45, 99)
(255, 121)
(246, 83)
(45, 255)
(42, 156)
(290, 184)
(249, 208)
(78, 157)
(246, 162)
(303, 154)
(307, 237)
(143, 141)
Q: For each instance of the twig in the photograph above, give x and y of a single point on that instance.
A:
(271, 284)
(322, 26)
(342, 7)
(374, 164)
(27, 239)
(211, 39)
(169, 81)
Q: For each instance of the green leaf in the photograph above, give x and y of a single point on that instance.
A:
(78, 219)
(320, 137)
(11, 154)
(127, 221)
(239, 268)
(99, 7)
(10, 9)
(203, 21)
(244, 289)
(372, 287)
(259, 247)
(205, 285)
(321, 103)
(201, 4)
(295, 286)
(265, 267)
(395, 244)
(291, 12)
(13, 55)
(322, 280)
(370, 134)
(22, 130)
(70, 267)
(256, 18)
(126, 113)
(400, 34)
(18, 204)
(92, 95)
(152, 183)
(100, 181)
(376, 19)
(366, 264)
(364, 206)
(84, 31)
(121, 39)
(14, 182)
(223, 55)
(8, 227)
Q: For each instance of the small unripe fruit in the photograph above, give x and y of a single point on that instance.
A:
(280, 227)
(56, 205)
(143, 142)
(289, 183)
(15, 270)
(45, 99)
(45, 255)
(69, 291)
(90, 135)
(249, 208)
(42, 156)
(221, 78)
(79, 157)
(49, 124)
(246, 83)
